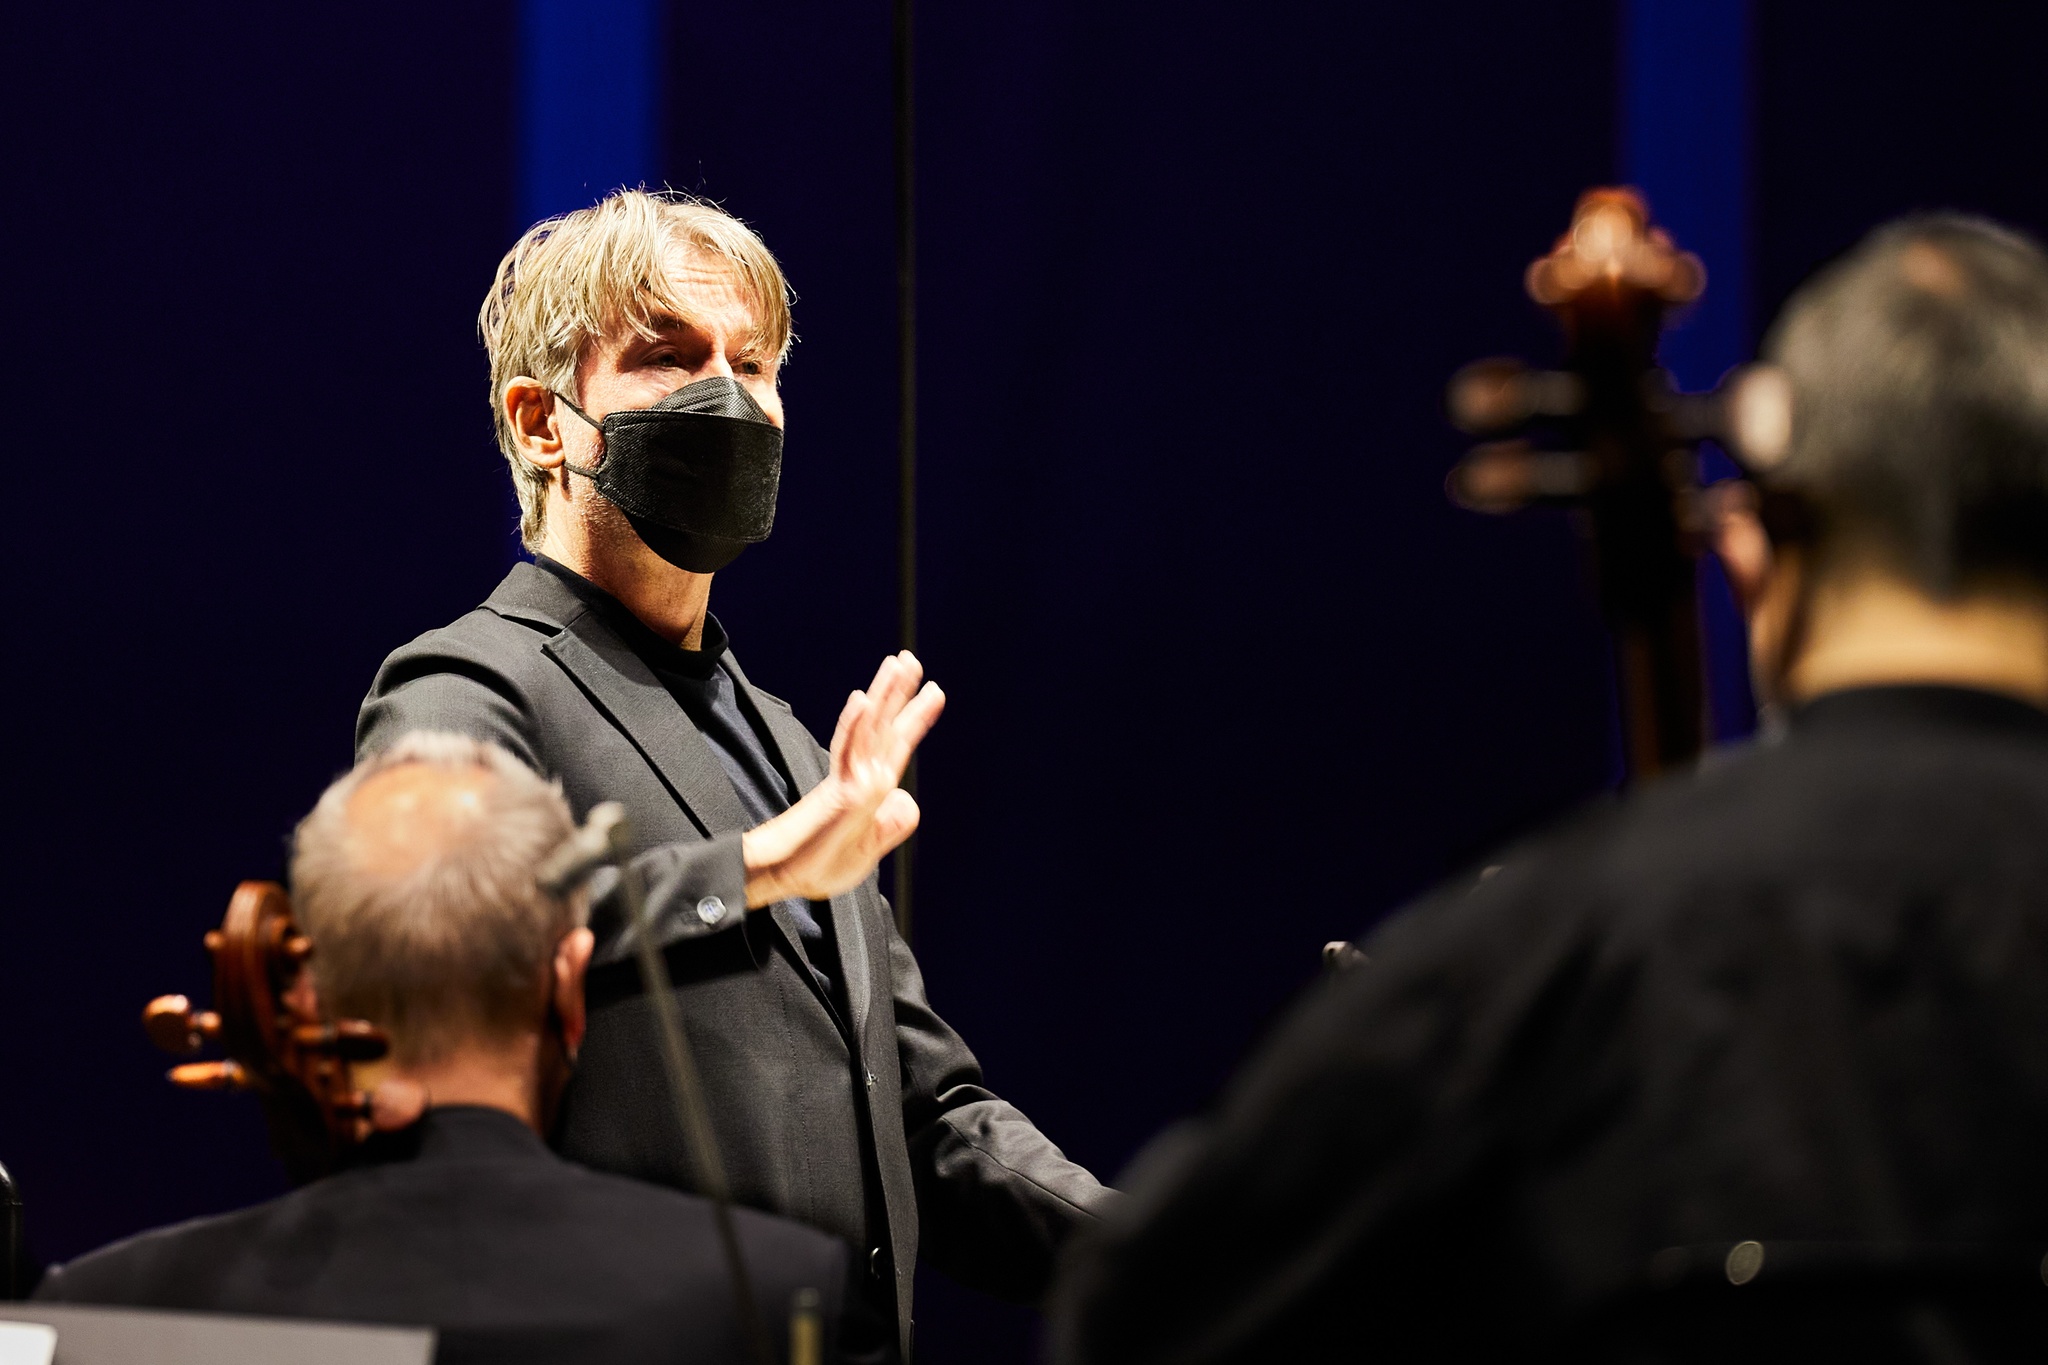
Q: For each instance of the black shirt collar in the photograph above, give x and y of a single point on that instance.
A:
(663, 656)
(457, 1132)
(1919, 707)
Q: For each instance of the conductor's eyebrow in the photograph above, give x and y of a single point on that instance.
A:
(660, 325)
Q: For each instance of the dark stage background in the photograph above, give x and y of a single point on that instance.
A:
(1228, 677)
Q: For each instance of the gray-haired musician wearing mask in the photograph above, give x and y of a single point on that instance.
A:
(415, 879)
(1800, 996)
(635, 349)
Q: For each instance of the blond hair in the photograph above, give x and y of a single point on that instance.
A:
(571, 279)
(446, 944)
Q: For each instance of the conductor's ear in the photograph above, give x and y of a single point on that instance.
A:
(571, 967)
(530, 413)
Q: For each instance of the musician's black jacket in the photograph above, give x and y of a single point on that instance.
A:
(1802, 995)
(468, 1224)
(865, 1116)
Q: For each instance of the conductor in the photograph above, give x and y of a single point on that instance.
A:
(635, 348)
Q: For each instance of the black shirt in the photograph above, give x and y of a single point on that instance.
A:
(1801, 995)
(699, 681)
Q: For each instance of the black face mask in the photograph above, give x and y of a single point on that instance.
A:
(696, 473)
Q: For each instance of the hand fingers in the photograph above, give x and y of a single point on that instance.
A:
(878, 733)
(847, 713)
(901, 735)
(842, 731)
(858, 754)
(916, 719)
(1739, 538)
(869, 739)
(895, 682)
(883, 672)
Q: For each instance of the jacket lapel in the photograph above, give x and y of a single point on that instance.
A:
(626, 692)
(798, 752)
(633, 699)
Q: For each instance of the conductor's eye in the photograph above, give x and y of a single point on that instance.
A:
(749, 365)
(667, 360)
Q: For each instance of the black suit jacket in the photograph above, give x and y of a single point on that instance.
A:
(471, 1226)
(874, 1126)
(1800, 996)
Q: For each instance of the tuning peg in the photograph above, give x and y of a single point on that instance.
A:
(1493, 397)
(1749, 414)
(352, 1040)
(1502, 476)
(210, 1076)
(173, 1025)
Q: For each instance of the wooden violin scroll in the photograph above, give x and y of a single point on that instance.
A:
(267, 1018)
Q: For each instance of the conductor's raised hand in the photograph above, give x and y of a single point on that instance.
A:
(833, 838)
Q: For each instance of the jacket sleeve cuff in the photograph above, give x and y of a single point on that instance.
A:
(692, 889)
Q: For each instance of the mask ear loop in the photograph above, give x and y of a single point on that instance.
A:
(594, 426)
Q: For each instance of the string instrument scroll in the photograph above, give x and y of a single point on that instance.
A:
(1610, 436)
(279, 1044)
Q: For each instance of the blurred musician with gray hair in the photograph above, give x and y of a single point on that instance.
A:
(1799, 997)
(415, 877)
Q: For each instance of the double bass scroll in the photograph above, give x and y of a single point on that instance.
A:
(1608, 434)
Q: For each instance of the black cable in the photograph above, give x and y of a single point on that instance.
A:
(693, 1116)
(606, 838)
(906, 412)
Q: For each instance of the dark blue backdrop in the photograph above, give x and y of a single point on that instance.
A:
(1228, 677)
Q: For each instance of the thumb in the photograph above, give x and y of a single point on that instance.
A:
(895, 820)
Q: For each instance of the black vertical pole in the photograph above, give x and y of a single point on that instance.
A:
(906, 397)
(13, 1270)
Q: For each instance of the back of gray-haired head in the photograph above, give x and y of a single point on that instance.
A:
(415, 877)
(1919, 369)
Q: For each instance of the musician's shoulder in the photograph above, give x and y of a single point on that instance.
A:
(661, 1212)
(167, 1267)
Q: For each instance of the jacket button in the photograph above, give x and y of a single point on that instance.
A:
(875, 1263)
(711, 909)
(871, 1080)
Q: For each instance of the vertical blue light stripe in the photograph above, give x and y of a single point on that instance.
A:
(1686, 143)
(589, 110)
(589, 101)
